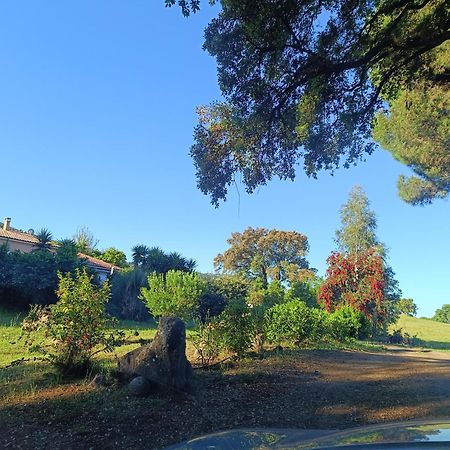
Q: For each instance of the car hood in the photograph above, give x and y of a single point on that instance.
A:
(413, 434)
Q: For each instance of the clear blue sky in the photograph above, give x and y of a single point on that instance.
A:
(96, 118)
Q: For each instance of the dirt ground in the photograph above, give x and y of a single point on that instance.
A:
(318, 389)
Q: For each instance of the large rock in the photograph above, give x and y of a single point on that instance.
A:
(164, 360)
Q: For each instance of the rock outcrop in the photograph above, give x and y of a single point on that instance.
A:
(164, 360)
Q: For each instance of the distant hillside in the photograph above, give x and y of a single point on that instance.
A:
(433, 334)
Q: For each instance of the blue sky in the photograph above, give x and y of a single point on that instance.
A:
(96, 119)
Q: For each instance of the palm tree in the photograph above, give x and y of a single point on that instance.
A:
(175, 261)
(67, 256)
(156, 260)
(45, 239)
(139, 255)
(191, 264)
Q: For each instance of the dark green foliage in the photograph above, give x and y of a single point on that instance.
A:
(219, 290)
(139, 253)
(305, 291)
(126, 286)
(294, 322)
(67, 256)
(27, 278)
(416, 131)
(45, 239)
(442, 314)
(156, 260)
(347, 323)
(125, 300)
(210, 306)
(302, 81)
(187, 6)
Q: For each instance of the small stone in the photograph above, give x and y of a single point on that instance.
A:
(140, 387)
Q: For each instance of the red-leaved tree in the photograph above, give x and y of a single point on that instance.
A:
(355, 280)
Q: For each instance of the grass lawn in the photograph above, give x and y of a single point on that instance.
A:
(25, 378)
(430, 334)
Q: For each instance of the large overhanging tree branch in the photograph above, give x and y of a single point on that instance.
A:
(302, 81)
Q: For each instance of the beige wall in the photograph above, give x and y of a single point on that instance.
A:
(25, 247)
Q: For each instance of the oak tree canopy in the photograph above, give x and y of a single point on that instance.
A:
(302, 81)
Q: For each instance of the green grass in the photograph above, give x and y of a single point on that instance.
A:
(25, 378)
(429, 333)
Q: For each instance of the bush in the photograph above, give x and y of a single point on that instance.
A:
(305, 291)
(206, 341)
(347, 323)
(293, 322)
(176, 294)
(76, 327)
(210, 305)
(235, 327)
(227, 286)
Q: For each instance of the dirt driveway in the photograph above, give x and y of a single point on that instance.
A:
(303, 389)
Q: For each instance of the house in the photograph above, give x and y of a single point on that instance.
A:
(16, 239)
(102, 268)
(26, 242)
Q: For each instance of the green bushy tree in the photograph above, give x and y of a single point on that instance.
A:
(306, 291)
(442, 314)
(235, 327)
(176, 293)
(114, 256)
(76, 327)
(407, 306)
(259, 253)
(294, 322)
(347, 323)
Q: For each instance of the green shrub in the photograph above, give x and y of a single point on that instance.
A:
(206, 341)
(235, 327)
(293, 322)
(176, 293)
(305, 291)
(347, 323)
(227, 286)
(76, 327)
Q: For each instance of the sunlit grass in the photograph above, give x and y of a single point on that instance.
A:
(431, 334)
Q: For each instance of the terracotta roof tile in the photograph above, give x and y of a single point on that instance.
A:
(97, 262)
(18, 236)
